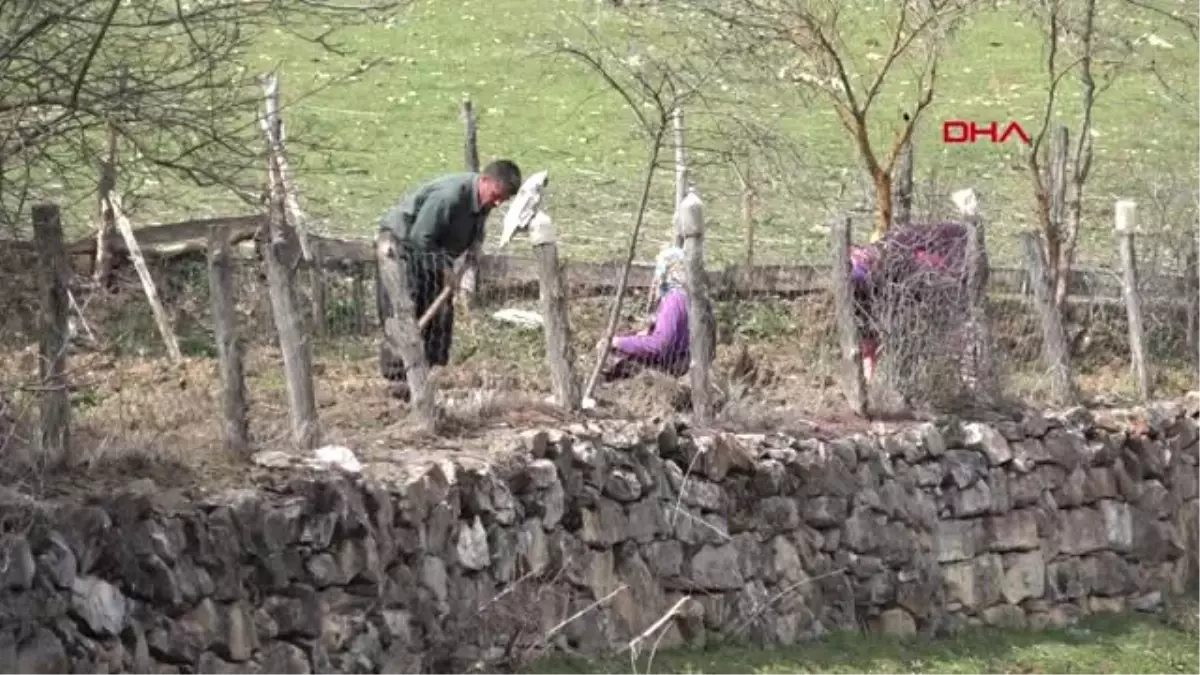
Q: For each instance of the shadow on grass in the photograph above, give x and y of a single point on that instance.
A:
(1098, 644)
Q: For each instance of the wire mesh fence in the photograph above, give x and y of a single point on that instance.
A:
(775, 360)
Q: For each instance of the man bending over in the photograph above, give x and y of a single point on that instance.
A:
(432, 226)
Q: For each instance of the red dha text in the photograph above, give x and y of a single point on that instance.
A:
(962, 131)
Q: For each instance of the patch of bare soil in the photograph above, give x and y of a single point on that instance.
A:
(140, 416)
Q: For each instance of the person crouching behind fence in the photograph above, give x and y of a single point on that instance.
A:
(429, 228)
(665, 344)
(897, 259)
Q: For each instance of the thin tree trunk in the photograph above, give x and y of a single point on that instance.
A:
(615, 317)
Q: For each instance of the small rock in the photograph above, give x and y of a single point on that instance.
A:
(17, 566)
(897, 622)
(472, 546)
(100, 605)
(623, 485)
(285, 657)
(981, 437)
(717, 568)
(1004, 616)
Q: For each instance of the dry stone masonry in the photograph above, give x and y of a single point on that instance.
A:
(580, 539)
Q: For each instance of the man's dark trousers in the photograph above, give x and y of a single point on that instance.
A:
(426, 277)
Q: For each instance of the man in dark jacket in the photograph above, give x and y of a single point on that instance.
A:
(434, 225)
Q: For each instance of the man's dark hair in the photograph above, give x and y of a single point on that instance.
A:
(506, 173)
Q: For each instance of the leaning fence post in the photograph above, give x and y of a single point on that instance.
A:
(235, 423)
(54, 438)
(1054, 341)
(854, 383)
(701, 323)
(400, 328)
(560, 355)
(285, 233)
(1125, 223)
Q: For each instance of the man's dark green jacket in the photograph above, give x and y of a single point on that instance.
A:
(442, 216)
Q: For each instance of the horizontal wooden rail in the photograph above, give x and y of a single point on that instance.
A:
(506, 272)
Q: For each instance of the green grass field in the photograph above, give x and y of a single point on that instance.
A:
(1099, 644)
(395, 125)
(400, 124)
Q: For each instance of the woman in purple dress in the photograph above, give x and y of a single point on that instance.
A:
(665, 345)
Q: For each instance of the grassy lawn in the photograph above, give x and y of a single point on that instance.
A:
(1099, 644)
(391, 127)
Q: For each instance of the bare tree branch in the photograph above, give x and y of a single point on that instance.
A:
(803, 43)
(71, 68)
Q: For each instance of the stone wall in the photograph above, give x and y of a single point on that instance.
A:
(582, 538)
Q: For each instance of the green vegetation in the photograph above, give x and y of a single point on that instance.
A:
(1099, 644)
(392, 125)
(399, 124)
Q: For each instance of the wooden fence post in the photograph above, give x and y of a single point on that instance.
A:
(235, 422)
(360, 299)
(1192, 298)
(139, 263)
(701, 325)
(316, 282)
(748, 222)
(284, 237)
(400, 329)
(552, 294)
(1125, 214)
(681, 172)
(54, 438)
(1054, 341)
(106, 227)
(977, 270)
(274, 129)
(854, 383)
(902, 187)
(469, 282)
(289, 325)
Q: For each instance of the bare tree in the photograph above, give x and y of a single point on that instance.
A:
(1079, 44)
(805, 43)
(652, 89)
(167, 82)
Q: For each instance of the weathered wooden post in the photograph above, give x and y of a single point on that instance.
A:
(701, 326)
(854, 383)
(748, 222)
(977, 268)
(1125, 223)
(1192, 270)
(54, 438)
(284, 245)
(469, 282)
(235, 421)
(560, 355)
(1054, 341)
(139, 263)
(681, 172)
(316, 283)
(360, 299)
(401, 331)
